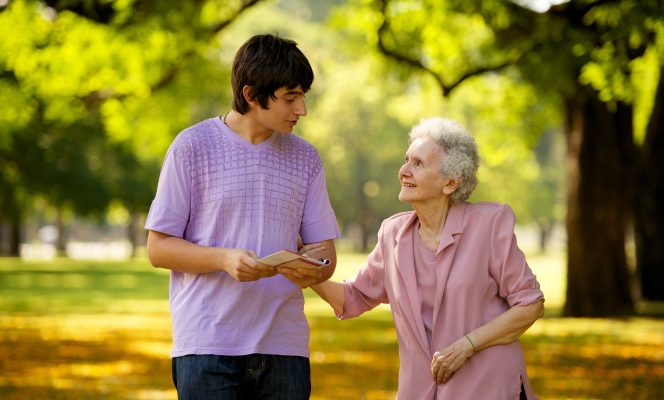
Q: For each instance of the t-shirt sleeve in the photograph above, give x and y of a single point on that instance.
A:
(318, 219)
(169, 212)
(516, 282)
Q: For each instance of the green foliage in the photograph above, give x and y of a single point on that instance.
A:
(96, 91)
(361, 142)
(507, 116)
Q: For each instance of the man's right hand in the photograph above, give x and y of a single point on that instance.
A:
(242, 266)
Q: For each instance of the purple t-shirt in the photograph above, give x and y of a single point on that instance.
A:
(216, 189)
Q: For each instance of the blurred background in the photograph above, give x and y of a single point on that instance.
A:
(565, 99)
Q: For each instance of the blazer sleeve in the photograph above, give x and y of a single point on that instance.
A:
(367, 289)
(508, 267)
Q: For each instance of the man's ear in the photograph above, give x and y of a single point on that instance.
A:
(248, 93)
(450, 185)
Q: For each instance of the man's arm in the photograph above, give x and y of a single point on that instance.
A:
(177, 254)
(307, 277)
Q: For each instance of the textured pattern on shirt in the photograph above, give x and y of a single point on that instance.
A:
(235, 186)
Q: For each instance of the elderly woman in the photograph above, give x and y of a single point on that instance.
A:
(460, 290)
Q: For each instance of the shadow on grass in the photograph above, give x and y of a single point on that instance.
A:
(354, 359)
(102, 331)
(46, 361)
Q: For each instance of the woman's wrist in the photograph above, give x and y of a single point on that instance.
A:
(470, 342)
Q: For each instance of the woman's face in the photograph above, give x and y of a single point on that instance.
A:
(420, 176)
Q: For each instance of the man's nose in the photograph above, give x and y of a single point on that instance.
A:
(301, 108)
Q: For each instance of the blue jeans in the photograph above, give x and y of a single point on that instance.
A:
(254, 376)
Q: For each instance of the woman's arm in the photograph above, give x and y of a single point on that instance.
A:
(364, 292)
(507, 327)
(503, 329)
(332, 293)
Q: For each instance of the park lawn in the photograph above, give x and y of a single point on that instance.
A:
(82, 330)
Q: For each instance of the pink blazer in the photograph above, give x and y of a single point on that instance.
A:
(481, 273)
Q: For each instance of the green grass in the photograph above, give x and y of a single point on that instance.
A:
(82, 330)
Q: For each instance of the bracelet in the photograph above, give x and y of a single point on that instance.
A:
(471, 343)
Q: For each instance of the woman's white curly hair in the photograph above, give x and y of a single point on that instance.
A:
(459, 152)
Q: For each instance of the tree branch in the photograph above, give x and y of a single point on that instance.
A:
(574, 12)
(446, 89)
(94, 100)
(223, 24)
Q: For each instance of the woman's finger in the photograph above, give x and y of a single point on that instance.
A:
(310, 249)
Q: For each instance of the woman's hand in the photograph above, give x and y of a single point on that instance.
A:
(310, 250)
(446, 361)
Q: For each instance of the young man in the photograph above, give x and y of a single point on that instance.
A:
(233, 189)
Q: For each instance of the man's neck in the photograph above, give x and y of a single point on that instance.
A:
(246, 127)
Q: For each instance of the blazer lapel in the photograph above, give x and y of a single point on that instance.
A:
(446, 249)
(405, 265)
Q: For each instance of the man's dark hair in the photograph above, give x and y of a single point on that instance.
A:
(267, 63)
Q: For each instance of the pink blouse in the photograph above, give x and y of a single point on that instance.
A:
(425, 274)
(479, 274)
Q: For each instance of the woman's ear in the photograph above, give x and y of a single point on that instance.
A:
(450, 185)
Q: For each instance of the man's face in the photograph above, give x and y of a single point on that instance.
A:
(283, 111)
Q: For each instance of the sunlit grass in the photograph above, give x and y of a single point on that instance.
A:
(101, 330)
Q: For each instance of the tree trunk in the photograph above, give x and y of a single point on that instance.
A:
(366, 221)
(132, 232)
(14, 236)
(649, 200)
(545, 229)
(3, 251)
(598, 204)
(61, 242)
(136, 235)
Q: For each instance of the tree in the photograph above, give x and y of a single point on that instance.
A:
(361, 143)
(649, 195)
(85, 122)
(360, 114)
(583, 51)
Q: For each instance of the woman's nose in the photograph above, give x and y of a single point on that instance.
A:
(403, 170)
